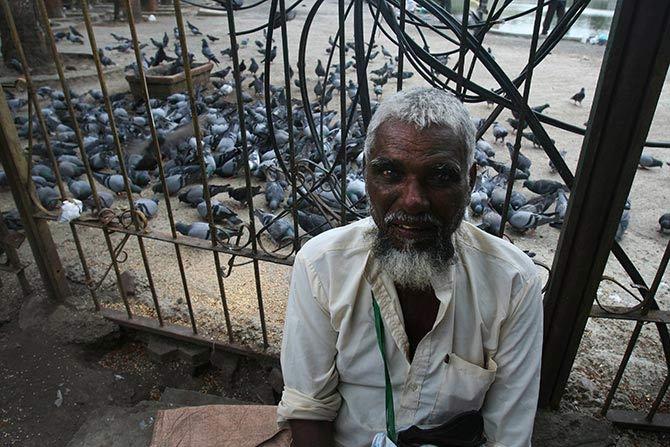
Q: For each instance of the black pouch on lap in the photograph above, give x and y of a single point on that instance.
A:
(463, 430)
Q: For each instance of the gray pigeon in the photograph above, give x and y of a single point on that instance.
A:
(491, 221)
(220, 213)
(49, 197)
(201, 230)
(80, 189)
(664, 222)
(106, 200)
(174, 184)
(280, 230)
(499, 132)
(148, 207)
(274, 194)
(522, 221)
(647, 161)
(523, 162)
(195, 194)
(115, 182)
(543, 186)
(313, 224)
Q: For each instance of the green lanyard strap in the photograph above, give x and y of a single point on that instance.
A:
(390, 412)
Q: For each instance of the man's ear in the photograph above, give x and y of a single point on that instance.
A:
(473, 176)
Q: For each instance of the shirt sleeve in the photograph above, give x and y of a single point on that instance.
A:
(308, 351)
(511, 402)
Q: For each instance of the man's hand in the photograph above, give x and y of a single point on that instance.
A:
(311, 433)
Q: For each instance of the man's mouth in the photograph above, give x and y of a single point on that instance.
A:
(412, 231)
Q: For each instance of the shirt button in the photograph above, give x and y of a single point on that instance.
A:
(446, 358)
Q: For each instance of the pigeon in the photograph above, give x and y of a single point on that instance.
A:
(115, 182)
(16, 65)
(551, 163)
(514, 123)
(80, 189)
(212, 38)
(74, 31)
(104, 59)
(280, 230)
(194, 195)
(664, 223)
(647, 162)
(174, 184)
(491, 221)
(240, 194)
(522, 221)
(623, 222)
(220, 213)
(579, 96)
(148, 207)
(49, 197)
(207, 52)
(319, 70)
(194, 29)
(74, 38)
(12, 219)
(499, 132)
(106, 200)
(274, 194)
(253, 66)
(313, 224)
(200, 230)
(523, 162)
(543, 187)
(539, 109)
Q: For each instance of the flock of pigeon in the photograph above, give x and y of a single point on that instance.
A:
(316, 147)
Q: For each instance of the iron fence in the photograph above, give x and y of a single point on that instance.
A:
(312, 154)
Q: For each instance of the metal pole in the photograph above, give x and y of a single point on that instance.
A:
(37, 230)
(631, 79)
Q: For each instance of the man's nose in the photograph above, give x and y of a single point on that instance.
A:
(414, 197)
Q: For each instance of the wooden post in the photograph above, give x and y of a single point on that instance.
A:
(37, 231)
(631, 78)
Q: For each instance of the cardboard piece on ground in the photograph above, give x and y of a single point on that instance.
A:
(220, 425)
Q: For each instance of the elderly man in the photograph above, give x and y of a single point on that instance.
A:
(458, 312)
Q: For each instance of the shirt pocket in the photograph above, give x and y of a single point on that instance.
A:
(463, 387)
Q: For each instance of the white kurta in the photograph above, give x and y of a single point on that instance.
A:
(484, 350)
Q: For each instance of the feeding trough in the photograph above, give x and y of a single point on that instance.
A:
(162, 83)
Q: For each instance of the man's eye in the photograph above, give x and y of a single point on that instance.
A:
(389, 174)
(445, 175)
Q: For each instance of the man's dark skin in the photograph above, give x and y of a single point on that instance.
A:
(416, 172)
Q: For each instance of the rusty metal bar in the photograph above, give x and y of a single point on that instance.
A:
(119, 154)
(10, 242)
(78, 136)
(522, 118)
(343, 112)
(460, 88)
(245, 154)
(289, 124)
(37, 231)
(203, 172)
(401, 50)
(631, 79)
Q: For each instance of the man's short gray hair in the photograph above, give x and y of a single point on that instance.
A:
(425, 106)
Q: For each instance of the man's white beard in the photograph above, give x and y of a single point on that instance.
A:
(410, 268)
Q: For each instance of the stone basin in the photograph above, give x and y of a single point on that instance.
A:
(161, 84)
